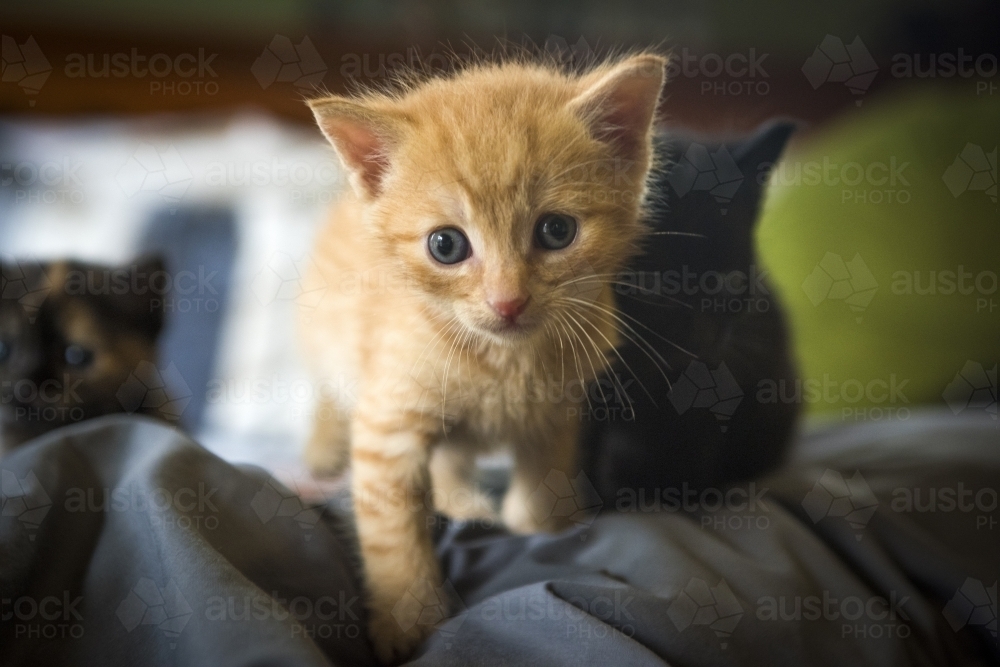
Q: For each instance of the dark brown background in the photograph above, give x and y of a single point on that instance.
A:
(237, 32)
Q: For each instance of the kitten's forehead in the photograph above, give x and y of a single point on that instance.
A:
(501, 118)
(493, 151)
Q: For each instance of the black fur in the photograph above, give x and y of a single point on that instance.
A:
(664, 444)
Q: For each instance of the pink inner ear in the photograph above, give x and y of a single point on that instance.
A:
(626, 115)
(362, 149)
(629, 111)
(621, 104)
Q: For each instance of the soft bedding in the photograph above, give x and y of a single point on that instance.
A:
(123, 542)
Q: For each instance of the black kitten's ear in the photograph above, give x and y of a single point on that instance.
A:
(149, 264)
(132, 294)
(758, 153)
(151, 308)
(25, 282)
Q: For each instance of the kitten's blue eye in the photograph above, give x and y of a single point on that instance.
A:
(78, 357)
(4, 351)
(448, 245)
(555, 231)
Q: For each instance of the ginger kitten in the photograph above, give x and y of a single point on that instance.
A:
(468, 292)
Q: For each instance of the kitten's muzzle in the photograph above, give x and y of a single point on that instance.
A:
(510, 309)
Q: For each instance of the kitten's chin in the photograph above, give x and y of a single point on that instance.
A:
(508, 334)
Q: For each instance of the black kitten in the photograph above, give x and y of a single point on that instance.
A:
(706, 328)
(71, 334)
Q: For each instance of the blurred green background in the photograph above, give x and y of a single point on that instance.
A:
(891, 276)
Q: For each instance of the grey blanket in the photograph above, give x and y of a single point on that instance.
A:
(122, 542)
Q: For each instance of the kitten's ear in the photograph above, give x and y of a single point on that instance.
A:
(150, 264)
(619, 103)
(152, 320)
(363, 138)
(144, 310)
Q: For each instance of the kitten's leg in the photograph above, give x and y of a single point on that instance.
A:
(453, 471)
(524, 510)
(390, 483)
(328, 450)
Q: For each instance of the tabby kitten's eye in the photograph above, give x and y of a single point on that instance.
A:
(449, 246)
(78, 357)
(4, 351)
(555, 231)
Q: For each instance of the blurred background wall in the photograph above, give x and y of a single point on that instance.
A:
(360, 41)
(134, 125)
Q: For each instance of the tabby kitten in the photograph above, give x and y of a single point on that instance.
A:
(467, 296)
(70, 335)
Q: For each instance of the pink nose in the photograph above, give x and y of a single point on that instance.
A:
(509, 309)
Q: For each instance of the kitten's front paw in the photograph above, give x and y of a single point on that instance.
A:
(324, 459)
(392, 643)
(468, 506)
(525, 518)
